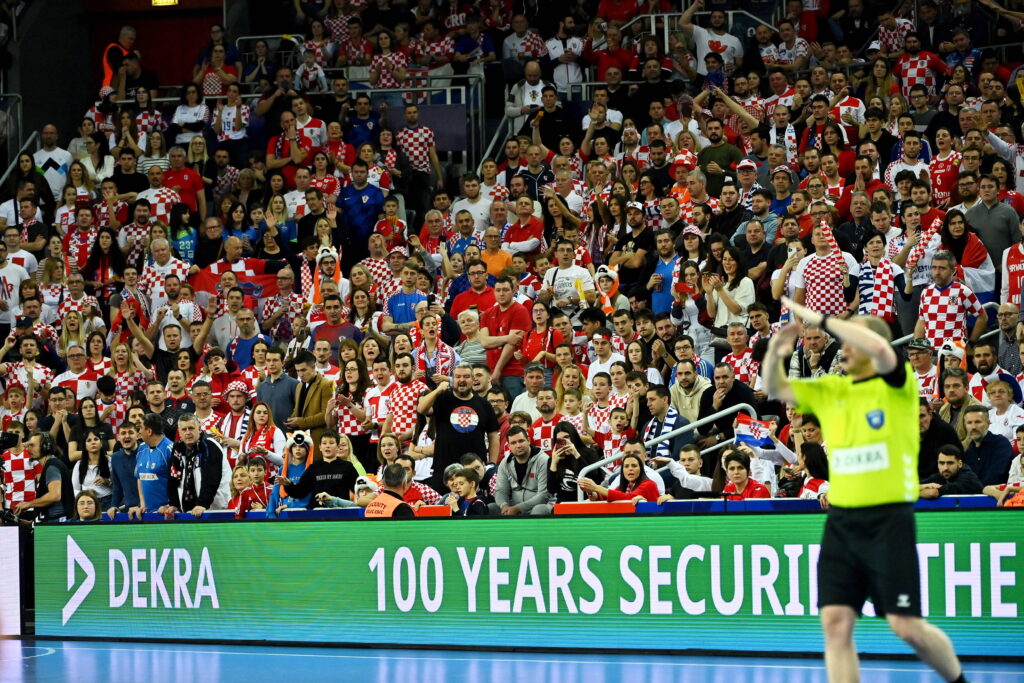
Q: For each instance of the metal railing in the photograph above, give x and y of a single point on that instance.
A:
(282, 46)
(991, 305)
(31, 143)
(669, 23)
(11, 125)
(749, 409)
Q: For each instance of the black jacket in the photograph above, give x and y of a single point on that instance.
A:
(211, 470)
(965, 483)
(939, 433)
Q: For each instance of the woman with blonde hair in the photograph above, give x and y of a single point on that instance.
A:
(240, 481)
(323, 233)
(277, 214)
(263, 437)
(570, 377)
(127, 369)
(72, 332)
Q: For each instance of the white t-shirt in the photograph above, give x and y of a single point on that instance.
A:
(481, 210)
(11, 277)
(9, 212)
(569, 282)
(1007, 423)
(599, 366)
(727, 45)
(54, 165)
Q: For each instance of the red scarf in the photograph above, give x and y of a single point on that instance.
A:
(443, 359)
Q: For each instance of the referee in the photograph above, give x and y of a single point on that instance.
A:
(869, 418)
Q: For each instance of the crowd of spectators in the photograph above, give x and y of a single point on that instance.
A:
(257, 302)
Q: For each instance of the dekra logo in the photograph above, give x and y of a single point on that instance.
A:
(150, 577)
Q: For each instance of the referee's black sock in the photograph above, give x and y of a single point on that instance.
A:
(960, 679)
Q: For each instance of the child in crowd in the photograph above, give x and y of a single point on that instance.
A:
(310, 76)
(572, 409)
(466, 504)
(298, 456)
(613, 436)
(391, 226)
(257, 495)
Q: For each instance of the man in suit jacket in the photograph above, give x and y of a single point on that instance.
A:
(311, 397)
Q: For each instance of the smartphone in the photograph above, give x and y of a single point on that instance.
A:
(791, 249)
(684, 288)
(559, 443)
(430, 300)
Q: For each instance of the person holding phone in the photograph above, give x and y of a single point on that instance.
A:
(569, 455)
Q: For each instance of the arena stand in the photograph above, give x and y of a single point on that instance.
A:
(358, 189)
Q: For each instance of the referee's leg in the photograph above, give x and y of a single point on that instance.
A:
(930, 643)
(837, 622)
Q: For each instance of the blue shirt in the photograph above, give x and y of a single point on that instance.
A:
(185, 244)
(360, 209)
(240, 350)
(361, 130)
(402, 306)
(661, 297)
(152, 469)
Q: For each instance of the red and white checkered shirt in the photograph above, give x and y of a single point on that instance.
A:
(357, 53)
(118, 412)
(379, 269)
(80, 305)
(445, 47)
(147, 122)
(416, 143)
(152, 279)
(542, 433)
(403, 403)
(346, 422)
(136, 232)
(20, 473)
(597, 416)
(944, 312)
(42, 375)
(101, 213)
(496, 193)
(293, 301)
(380, 62)
(920, 69)
(822, 282)
(45, 332)
(130, 381)
(531, 45)
(338, 26)
(894, 40)
(329, 185)
(686, 209)
(100, 367)
(224, 182)
(743, 365)
(160, 202)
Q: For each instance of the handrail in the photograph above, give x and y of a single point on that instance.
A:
(671, 435)
(499, 138)
(24, 148)
(652, 20)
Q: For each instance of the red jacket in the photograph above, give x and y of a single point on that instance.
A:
(754, 489)
(647, 488)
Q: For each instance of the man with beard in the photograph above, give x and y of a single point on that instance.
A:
(688, 389)
(731, 211)
(988, 370)
(761, 204)
(719, 158)
(404, 399)
(918, 67)
(631, 251)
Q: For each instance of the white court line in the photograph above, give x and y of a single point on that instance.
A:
(49, 651)
(271, 650)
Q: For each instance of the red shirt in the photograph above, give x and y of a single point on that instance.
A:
(754, 489)
(186, 183)
(499, 323)
(536, 342)
(483, 301)
(533, 229)
(647, 488)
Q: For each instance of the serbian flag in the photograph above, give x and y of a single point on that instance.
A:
(752, 432)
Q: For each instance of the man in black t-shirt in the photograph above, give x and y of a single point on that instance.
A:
(632, 248)
(465, 423)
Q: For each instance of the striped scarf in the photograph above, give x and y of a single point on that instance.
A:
(443, 359)
(790, 141)
(242, 426)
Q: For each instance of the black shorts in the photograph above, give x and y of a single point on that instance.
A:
(871, 553)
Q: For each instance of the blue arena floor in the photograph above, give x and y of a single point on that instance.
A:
(32, 661)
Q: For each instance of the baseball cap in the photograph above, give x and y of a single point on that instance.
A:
(875, 46)
(635, 205)
(920, 344)
(746, 165)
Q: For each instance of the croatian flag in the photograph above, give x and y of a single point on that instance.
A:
(752, 432)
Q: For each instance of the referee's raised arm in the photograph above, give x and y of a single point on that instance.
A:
(780, 348)
(857, 335)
